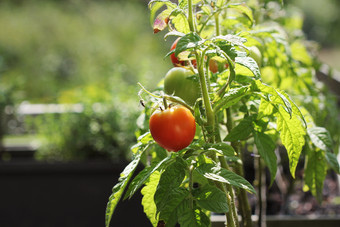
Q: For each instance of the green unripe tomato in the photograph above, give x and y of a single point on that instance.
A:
(255, 53)
(179, 82)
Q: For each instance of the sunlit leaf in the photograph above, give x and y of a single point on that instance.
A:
(300, 53)
(276, 96)
(217, 173)
(321, 138)
(180, 21)
(148, 203)
(189, 41)
(118, 189)
(251, 64)
(292, 136)
(315, 172)
(232, 97)
(244, 9)
(333, 161)
(265, 108)
(232, 39)
(142, 176)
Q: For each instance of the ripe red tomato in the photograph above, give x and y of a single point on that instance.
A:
(173, 128)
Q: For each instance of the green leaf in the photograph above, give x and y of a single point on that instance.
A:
(173, 33)
(168, 189)
(118, 189)
(148, 192)
(222, 149)
(173, 199)
(315, 172)
(276, 97)
(206, 9)
(333, 161)
(180, 21)
(217, 173)
(295, 109)
(265, 108)
(220, 3)
(232, 97)
(244, 9)
(320, 137)
(266, 148)
(241, 131)
(211, 198)
(155, 5)
(191, 216)
(249, 63)
(292, 136)
(300, 53)
(232, 39)
(142, 176)
(189, 41)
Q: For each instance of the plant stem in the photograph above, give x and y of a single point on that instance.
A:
(242, 195)
(205, 95)
(191, 186)
(223, 162)
(190, 16)
(202, 78)
(217, 24)
(261, 191)
(230, 189)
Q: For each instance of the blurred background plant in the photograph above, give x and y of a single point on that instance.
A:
(89, 52)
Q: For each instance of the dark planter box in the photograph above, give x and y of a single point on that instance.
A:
(34, 194)
(288, 221)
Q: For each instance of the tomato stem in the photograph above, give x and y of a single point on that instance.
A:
(172, 99)
(165, 103)
(150, 93)
(190, 16)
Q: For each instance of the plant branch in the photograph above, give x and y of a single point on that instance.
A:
(242, 195)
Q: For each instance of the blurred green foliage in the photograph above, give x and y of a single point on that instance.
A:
(321, 20)
(48, 47)
(101, 130)
(89, 52)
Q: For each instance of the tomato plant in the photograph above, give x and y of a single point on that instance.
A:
(254, 105)
(181, 82)
(173, 128)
